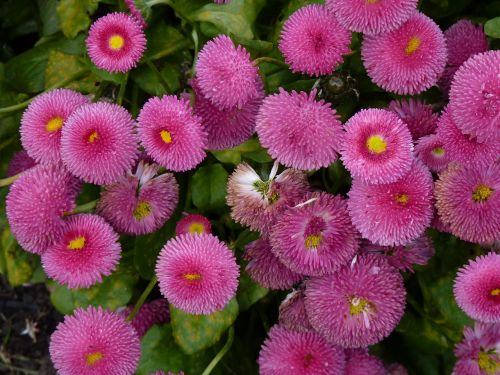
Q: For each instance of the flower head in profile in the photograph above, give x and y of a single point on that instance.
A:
(417, 115)
(292, 312)
(155, 312)
(136, 12)
(19, 163)
(430, 150)
(194, 224)
(360, 362)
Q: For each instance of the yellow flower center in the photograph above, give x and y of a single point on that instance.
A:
(192, 276)
(372, 1)
(116, 42)
(358, 305)
(93, 358)
(495, 292)
(166, 136)
(481, 193)
(77, 243)
(94, 136)
(488, 364)
(54, 124)
(438, 151)
(308, 358)
(376, 144)
(402, 199)
(412, 45)
(142, 210)
(196, 228)
(312, 241)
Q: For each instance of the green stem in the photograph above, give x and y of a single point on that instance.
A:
(162, 80)
(222, 352)
(194, 35)
(9, 180)
(143, 297)
(269, 60)
(121, 93)
(86, 207)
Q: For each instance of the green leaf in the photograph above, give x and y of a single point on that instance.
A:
(249, 292)
(61, 66)
(74, 15)
(196, 332)
(208, 187)
(104, 75)
(492, 27)
(148, 81)
(250, 149)
(164, 40)
(15, 263)
(48, 15)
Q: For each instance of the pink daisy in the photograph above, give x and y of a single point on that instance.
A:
(430, 150)
(226, 128)
(19, 163)
(468, 200)
(417, 115)
(367, 298)
(257, 203)
(465, 149)
(408, 60)
(87, 250)
(42, 122)
(438, 224)
(475, 96)
(139, 203)
(266, 269)
(99, 143)
(372, 16)
(360, 362)
(316, 238)
(197, 274)
(94, 342)
(136, 13)
(194, 224)
(287, 352)
(155, 312)
(226, 75)
(313, 42)
(36, 204)
(377, 146)
(171, 134)
(292, 312)
(477, 288)
(299, 131)
(116, 42)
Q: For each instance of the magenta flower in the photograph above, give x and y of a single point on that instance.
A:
(316, 238)
(155, 312)
(377, 146)
(36, 203)
(372, 16)
(430, 150)
(477, 288)
(43, 120)
(99, 143)
(266, 269)
(287, 352)
(94, 342)
(226, 75)
(299, 131)
(408, 60)
(292, 312)
(313, 42)
(194, 224)
(87, 250)
(360, 362)
(116, 42)
(171, 134)
(359, 305)
(417, 115)
(19, 163)
(474, 96)
(197, 274)
(136, 13)
(468, 201)
(140, 202)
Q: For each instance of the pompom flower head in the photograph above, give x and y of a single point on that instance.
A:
(477, 288)
(292, 312)
(197, 274)
(87, 250)
(408, 60)
(315, 238)
(42, 122)
(36, 203)
(136, 12)
(116, 42)
(395, 213)
(313, 42)
(19, 163)
(468, 201)
(171, 134)
(377, 146)
(430, 150)
(95, 342)
(98, 143)
(194, 224)
(360, 362)
(226, 75)
(300, 353)
(155, 312)
(372, 16)
(299, 131)
(140, 202)
(417, 115)
(367, 296)
(475, 96)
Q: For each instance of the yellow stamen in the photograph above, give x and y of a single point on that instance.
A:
(94, 136)
(438, 151)
(308, 358)
(358, 305)
(54, 124)
(481, 193)
(372, 1)
(312, 241)
(93, 358)
(192, 276)
(412, 45)
(196, 228)
(495, 292)
(402, 199)
(77, 244)
(116, 42)
(487, 363)
(166, 136)
(376, 144)
(142, 210)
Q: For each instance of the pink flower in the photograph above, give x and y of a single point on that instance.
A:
(292, 312)
(430, 150)
(477, 288)
(19, 163)
(136, 13)
(155, 312)
(99, 143)
(360, 362)
(94, 342)
(312, 41)
(408, 60)
(194, 224)
(417, 115)
(359, 305)
(372, 16)
(116, 42)
(197, 274)
(43, 120)
(171, 134)
(377, 146)
(299, 131)
(287, 352)
(87, 250)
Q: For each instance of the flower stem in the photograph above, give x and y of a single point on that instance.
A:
(9, 180)
(86, 207)
(269, 60)
(162, 80)
(222, 352)
(121, 93)
(142, 298)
